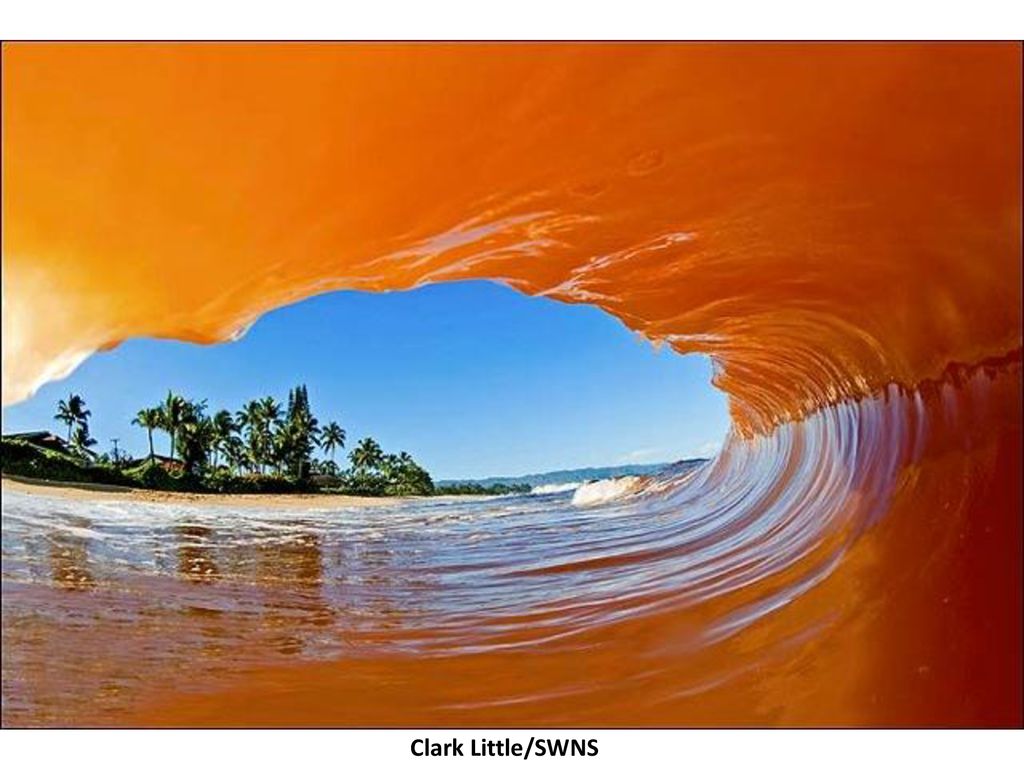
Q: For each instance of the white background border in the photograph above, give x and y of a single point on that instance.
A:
(524, 19)
(633, 749)
(512, 19)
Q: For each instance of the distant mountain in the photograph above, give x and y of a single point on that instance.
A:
(566, 476)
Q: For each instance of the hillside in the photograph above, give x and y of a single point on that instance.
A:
(565, 476)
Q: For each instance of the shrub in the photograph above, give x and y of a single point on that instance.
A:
(27, 460)
(363, 483)
(222, 481)
(154, 476)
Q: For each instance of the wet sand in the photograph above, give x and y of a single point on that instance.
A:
(100, 492)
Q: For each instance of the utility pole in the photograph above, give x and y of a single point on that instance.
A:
(114, 441)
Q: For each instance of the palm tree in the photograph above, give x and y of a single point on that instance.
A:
(172, 416)
(281, 446)
(367, 455)
(81, 439)
(270, 418)
(405, 477)
(64, 414)
(224, 429)
(257, 419)
(197, 438)
(234, 452)
(150, 419)
(251, 420)
(332, 438)
(72, 411)
(270, 414)
(248, 417)
(193, 412)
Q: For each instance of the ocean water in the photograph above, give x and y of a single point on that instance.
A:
(666, 602)
(108, 601)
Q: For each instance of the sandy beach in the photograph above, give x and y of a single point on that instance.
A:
(98, 492)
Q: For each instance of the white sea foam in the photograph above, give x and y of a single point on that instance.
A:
(554, 488)
(602, 491)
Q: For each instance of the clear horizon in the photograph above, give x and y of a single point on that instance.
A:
(474, 379)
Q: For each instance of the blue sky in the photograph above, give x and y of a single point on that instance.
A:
(472, 378)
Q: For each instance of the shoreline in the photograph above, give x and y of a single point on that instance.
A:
(74, 491)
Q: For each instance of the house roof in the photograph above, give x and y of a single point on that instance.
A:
(46, 439)
(40, 435)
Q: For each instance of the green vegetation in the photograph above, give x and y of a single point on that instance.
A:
(73, 413)
(18, 457)
(150, 419)
(265, 447)
(478, 489)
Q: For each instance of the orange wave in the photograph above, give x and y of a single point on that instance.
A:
(838, 226)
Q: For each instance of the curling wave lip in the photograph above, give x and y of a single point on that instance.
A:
(852, 265)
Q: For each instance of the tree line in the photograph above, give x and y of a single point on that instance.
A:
(264, 438)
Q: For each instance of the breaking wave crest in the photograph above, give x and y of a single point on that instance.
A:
(601, 491)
